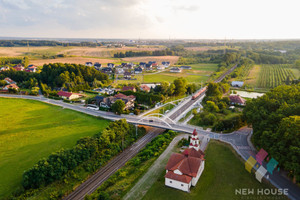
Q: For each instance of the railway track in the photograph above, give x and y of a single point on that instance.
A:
(90, 185)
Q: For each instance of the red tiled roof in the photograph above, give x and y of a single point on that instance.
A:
(145, 88)
(8, 80)
(64, 94)
(187, 165)
(193, 153)
(126, 88)
(237, 99)
(12, 86)
(177, 177)
(195, 132)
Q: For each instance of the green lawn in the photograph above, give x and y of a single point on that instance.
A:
(224, 172)
(31, 130)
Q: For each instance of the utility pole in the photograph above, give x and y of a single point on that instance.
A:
(136, 130)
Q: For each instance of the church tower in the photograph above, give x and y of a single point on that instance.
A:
(195, 143)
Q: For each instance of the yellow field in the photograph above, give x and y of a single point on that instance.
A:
(253, 76)
(74, 60)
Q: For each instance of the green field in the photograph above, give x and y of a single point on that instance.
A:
(224, 172)
(31, 130)
(271, 76)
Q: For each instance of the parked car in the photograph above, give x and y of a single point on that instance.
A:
(92, 107)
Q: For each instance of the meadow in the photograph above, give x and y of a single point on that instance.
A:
(224, 172)
(31, 130)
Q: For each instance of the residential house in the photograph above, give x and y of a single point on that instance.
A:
(145, 88)
(166, 64)
(128, 66)
(152, 62)
(184, 169)
(10, 86)
(31, 68)
(127, 75)
(237, 83)
(129, 88)
(68, 95)
(106, 102)
(5, 68)
(138, 70)
(97, 66)
(143, 65)
(19, 67)
(236, 99)
(186, 67)
(9, 81)
(148, 67)
(108, 91)
(89, 64)
(175, 70)
(110, 65)
(107, 70)
(120, 71)
(161, 67)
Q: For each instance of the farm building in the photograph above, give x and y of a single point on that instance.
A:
(68, 95)
(175, 70)
(183, 170)
(236, 99)
(237, 83)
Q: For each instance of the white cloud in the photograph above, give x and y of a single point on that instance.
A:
(150, 18)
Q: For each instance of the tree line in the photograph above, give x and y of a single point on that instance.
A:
(103, 146)
(38, 43)
(166, 52)
(276, 125)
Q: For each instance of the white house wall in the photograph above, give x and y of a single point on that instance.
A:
(195, 179)
(178, 185)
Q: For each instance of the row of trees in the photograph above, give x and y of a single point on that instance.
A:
(14, 60)
(37, 43)
(165, 52)
(276, 125)
(117, 136)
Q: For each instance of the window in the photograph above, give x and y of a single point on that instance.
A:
(182, 185)
(170, 181)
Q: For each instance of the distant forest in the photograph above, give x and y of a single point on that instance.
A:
(38, 43)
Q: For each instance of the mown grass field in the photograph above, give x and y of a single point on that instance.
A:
(31, 130)
(224, 172)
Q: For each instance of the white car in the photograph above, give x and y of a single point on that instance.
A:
(92, 107)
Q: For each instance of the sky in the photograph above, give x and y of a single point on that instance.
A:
(151, 19)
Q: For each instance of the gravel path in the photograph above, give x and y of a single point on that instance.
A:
(144, 184)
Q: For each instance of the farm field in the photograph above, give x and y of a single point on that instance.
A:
(253, 76)
(224, 172)
(271, 76)
(33, 130)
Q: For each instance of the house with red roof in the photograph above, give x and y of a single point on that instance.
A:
(236, 99)
(183, 170)
(10, 86)
(9, 81)
(145, 88)
(31, 68)
(129, 88)
(68, 95)
(18, 67)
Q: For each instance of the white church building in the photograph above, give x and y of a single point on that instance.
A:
(184, 169)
